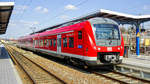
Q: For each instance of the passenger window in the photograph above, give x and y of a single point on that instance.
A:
(71, 42)
(79, 34)
(54, 42)
(38, 42)
(47, 43)
(65, 42)
(50, 42)
(42, 43)
(35, 43)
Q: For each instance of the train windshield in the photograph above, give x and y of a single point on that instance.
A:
(106, 32)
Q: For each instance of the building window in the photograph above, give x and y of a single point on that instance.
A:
(54, 42)
(71, 42)
(79, 34)
(65, 42)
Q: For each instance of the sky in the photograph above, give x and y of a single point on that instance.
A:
(33, 15)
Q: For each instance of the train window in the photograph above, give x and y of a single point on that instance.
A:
(41, 43)
(79, 34)
(50, 42)
(35, 44)
(71, 42)
(54, 42)
(47, 43)
(65, 42)
(38, 42)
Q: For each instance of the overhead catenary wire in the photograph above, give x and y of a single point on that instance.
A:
(57, 15)
(22, 11)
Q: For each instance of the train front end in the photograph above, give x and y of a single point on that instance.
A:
(109, 43)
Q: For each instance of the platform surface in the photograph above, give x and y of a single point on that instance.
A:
(8, 74)
(141, 61)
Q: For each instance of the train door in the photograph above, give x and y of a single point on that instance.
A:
(58, 43)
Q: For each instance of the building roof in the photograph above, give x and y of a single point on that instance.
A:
(121, 18)
(5, 13)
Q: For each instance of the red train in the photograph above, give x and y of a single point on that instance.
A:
(96, 41)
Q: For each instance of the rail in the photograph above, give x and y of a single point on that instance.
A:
(123, 78)
(25, 63)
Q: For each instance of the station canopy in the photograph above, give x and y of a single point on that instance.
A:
(121, 18)
(5, 13)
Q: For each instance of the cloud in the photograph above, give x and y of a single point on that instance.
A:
(12, 24)
(19, 9)
(45, 10)
(28, 23)
(70, 7)
(15, 28)
(65, 17)
(41, 9)
(35, 22)
(38, 8)
(146, 7)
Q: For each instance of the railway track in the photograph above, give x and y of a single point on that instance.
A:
(36, 73)
(121, 78)
(109, 77)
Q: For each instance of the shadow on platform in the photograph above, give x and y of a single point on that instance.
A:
(3, 53)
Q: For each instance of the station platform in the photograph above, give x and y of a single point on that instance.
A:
(139, 61)
(8, 73)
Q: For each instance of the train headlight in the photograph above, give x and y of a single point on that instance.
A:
(118, 48)
(99, 48)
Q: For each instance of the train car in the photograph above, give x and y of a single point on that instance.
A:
(96, 41)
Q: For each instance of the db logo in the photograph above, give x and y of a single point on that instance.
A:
(109, 49)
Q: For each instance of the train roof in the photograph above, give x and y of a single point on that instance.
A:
(60, 30)
(121, 18)
(99, 20)
(28, 36)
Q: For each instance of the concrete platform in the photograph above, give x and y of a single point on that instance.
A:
(8, 73)
(139, 61)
